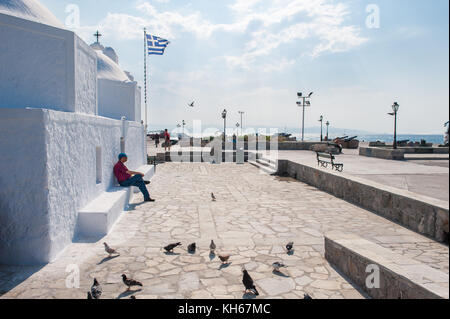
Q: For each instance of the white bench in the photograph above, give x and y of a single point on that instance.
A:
(98, 217)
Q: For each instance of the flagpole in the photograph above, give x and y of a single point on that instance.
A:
(145, 81)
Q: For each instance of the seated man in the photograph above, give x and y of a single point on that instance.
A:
(125, 178)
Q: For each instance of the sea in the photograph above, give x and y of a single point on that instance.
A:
(362, 137)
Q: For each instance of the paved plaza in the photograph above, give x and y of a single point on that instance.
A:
(255, 215)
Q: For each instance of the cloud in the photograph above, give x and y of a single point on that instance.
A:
(318, 24)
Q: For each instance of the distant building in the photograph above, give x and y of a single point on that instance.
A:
(61, 105)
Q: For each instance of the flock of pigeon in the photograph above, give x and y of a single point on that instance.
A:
(96, 289)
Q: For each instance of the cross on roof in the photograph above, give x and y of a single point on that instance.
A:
(97, 35)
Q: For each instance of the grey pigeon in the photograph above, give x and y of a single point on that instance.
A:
(171, 247)
(109, 250)
(224, 258)
(96, 290)
(277, 265)
(130, 282)
(248, 283)
(290, 246)
(192, 247)
(213, 197)
(212, 247)
(89, 295)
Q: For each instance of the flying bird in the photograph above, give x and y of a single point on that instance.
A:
(248, 283)
(224, 258)
(212, 247)
(289, 247)
(192, 247)
(130, 282)
(109, 250)
(277, 265)
(192, 104)
(96, 290)
(170, 248)
(213, 197)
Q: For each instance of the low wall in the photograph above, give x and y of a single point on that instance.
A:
(421, 214)
(298, 146)
(382, 153)
(396, 277)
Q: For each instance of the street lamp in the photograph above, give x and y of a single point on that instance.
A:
(395, 108)
(237, 128)
(224, 116)
(242, 125)
(321, 128)
(327, 124)
(303, 103)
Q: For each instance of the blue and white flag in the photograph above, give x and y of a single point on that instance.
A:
(156, 45)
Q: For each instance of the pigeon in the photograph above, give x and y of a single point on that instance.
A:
(170, 248)
(130, 282)
(224, 258)
(277, 265)
(289, 247)
(248, 283)
(306, 296)
(212, 247)
(89, 295)
(109, 250)
(213, 197)
(96, 290)
(192, 247)
(192, 104)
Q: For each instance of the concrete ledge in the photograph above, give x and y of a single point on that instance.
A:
(424, 215)
(383, 153)
(98, 217)
(399, 276)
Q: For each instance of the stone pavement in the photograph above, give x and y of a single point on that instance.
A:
(254, 216)
(424, 177)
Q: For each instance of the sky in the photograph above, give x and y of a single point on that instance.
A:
(358, 57)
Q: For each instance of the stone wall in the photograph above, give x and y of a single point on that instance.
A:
(397, 274)
(419, 213)
(383, 153)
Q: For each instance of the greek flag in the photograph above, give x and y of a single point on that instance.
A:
(156, 45)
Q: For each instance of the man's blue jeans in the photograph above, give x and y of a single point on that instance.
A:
(137, 181)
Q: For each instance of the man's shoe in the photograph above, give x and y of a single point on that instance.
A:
(149, 200)
(147, 182)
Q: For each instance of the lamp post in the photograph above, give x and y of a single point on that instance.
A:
(242, 125)
(395, 108)
(224, 116)
(237, 128)
(327, 124)
(321, 128)
(304, 102)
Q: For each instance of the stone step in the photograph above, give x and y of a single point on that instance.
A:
(400, 277)
(98, 217)
(267, 169)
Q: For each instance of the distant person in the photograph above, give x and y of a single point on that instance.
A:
(157, 140)
(167, 140)
(127, 178)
